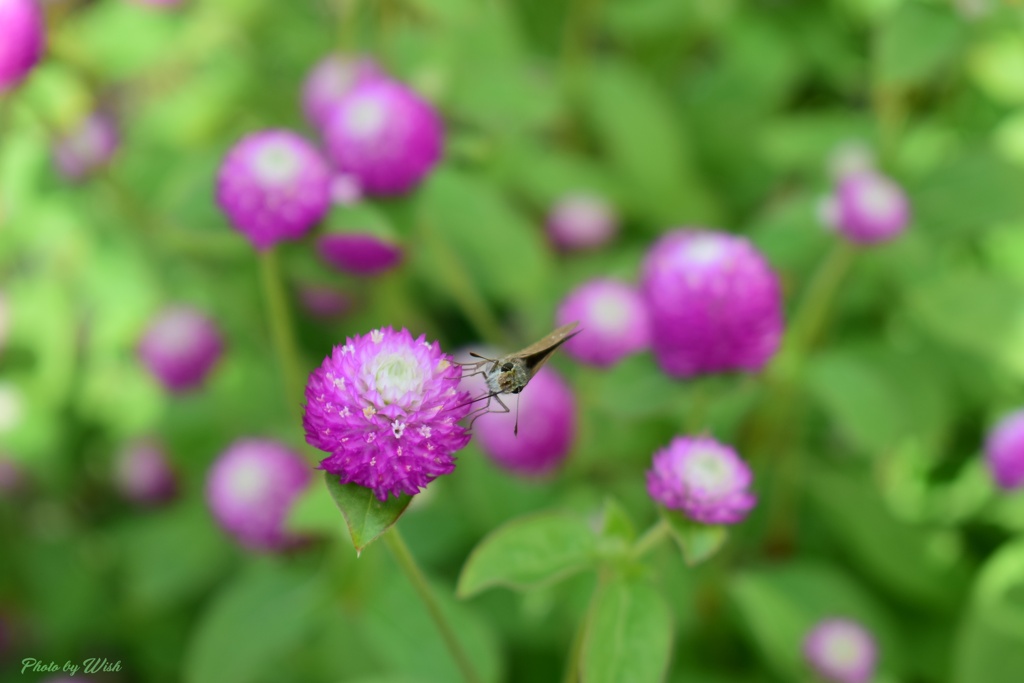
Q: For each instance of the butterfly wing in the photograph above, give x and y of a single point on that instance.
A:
(538, 353)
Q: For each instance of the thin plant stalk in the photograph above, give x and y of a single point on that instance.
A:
(279, 317)
(400, 551)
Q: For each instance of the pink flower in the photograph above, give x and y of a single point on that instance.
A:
(841, 651)
(704, 479)
(582, 221)
(1004, 451)
(273, 186)
(613, 317)
(23, 39)
(330, 80)
(251, 489)
(180, 347)
(384, 135)
(714, 303)
(386, 407)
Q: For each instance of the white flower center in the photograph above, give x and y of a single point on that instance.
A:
(843, 650)
(879, 200)
(610, 314)
(396, 374)
(701, 251)
(706, 470)
(276, 163)
(249, 482)
(365, 118)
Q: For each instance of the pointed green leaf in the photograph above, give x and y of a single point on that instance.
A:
(367, 517)
(629, 633)
(529, 552)
(698, 542)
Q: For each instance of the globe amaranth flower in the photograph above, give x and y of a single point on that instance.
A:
(841, 651)
(251, 489)
(386, 407)
(870, 208)
(87, 147)
(385, 135)
(330, 80)
(180, 347)
(546, 411)
(714, 303)
(143, 475)
(1004, 451)
(582, 221)
(24, 37)
(704, 479)
(273, 186)
(614, 318)
(358, 253)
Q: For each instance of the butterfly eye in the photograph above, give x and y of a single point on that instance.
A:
(507, 367)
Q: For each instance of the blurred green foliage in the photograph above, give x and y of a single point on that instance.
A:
(704, 112)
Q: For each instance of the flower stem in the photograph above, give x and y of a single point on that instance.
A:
(396, 544)
(281, 330)
(651, 538)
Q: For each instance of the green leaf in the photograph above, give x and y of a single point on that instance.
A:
(529, 552)
(466, 227)
(640, 134)
(169, 556)
(698, 542)
(779, 606)
(628, 635)
(896, 554)
(257, 620)
(859, 397)
(968, 194)
(916, 41)
(988, 647)
(988, 319)
(314, 513)
(400, 632)
(367, 518)
(616, 522)
(996, 65)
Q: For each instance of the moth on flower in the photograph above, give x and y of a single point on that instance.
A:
(511, 373)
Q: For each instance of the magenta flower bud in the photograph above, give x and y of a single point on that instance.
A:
(547, 426)
(1004, 451)
(841, 651)
(325, 303)
(613, 316)
(714, 303)
(704, 479)
(23, 31)
(251, 489)
(143, 475)
(180, 347)
(359, 253)
(582, 221)
(88, 147)
(273, 186)
(385, 135)
(870, 208)
(386, 407)
(330, 80)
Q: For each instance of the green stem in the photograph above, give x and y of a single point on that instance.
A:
(396, 544)
(281, 330)
(651, 538)
(812, 314)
